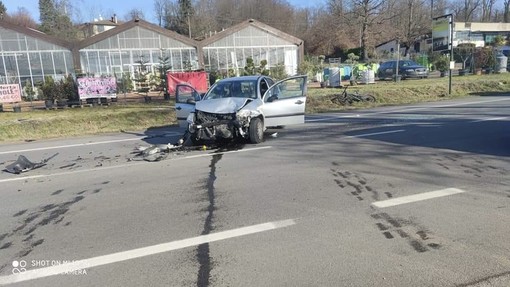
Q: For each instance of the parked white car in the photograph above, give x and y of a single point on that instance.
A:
(240, 107)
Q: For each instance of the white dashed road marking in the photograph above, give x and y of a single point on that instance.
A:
(142, 252)
(375, 134)
(417, 197)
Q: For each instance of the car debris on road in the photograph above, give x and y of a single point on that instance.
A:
(23, 164)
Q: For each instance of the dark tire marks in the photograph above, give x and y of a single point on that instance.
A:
(19, 213)
(24, 236)
(417, 238)
(203, 253)
(355, 184)
(470, 165)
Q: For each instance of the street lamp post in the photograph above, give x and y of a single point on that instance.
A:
(398, 60)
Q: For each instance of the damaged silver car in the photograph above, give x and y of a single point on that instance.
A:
(240, 107)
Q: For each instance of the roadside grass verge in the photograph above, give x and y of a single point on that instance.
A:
(43, 124)
(410, 91)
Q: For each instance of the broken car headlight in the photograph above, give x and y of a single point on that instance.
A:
(191, 118)
(244, 114)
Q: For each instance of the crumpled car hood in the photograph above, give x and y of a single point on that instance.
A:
(221, 106)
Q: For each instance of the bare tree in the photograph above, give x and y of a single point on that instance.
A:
(133, 14)
(506, 11)
(369, 13)
(487, 9)
(412, 21)
(159, 10)
(22, 17)
(465, 10)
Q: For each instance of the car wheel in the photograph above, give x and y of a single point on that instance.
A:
(256, 131)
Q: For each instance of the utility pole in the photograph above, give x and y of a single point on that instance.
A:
(432, 9)
(189, 25)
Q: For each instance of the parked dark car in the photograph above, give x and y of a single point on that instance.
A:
(407, 69)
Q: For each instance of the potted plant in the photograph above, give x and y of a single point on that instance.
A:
(464, 53)
(69, 90)
(16, 108)
(441, 65)
(48, 91)
(482, 59)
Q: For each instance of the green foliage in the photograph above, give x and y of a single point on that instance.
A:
(251, 69)
(499, 41)
(54, 22)
(28, 91)
(484, 58)
(464, 52)
(64, 89)
(442, 63)
(262, 68)
(69, 88)
(278, 72)
(48, 88)
(164, 66)
(126, 83)
(311, 66)
(141, 75)
(184, 15)
(352, 58)
(3, 10)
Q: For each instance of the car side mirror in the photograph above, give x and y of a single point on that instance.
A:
(191, 101)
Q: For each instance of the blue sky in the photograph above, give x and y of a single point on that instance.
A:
(87, 10)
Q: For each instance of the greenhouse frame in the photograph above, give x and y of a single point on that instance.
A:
(27, 54)
(138, 46)
(133, 44)
(229, 49)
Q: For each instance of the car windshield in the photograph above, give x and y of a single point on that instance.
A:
(408, 63)
(236, 89)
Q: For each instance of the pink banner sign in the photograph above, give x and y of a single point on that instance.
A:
(10, 93)
(97, 87)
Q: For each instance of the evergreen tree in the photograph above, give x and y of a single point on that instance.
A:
(184, 17)
(55, 22)
(3, 10)
(47, 16)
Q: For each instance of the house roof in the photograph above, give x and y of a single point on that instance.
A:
(131, 24)
(252, 23)
(36, 34)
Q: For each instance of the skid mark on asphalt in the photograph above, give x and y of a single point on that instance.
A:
(471, 165)
(417, 237)
(203, 253)
(354, 184)
(24, 236)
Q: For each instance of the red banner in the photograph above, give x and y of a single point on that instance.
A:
(10, 93)
(197, 80)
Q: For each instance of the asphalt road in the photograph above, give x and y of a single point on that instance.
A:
(394, 196)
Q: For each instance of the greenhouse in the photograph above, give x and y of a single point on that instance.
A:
(136, 46)
(27, 56)
(229, 49)
(137, 52)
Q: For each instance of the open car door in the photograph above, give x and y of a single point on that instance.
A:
(284, 102)
(185, 98)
